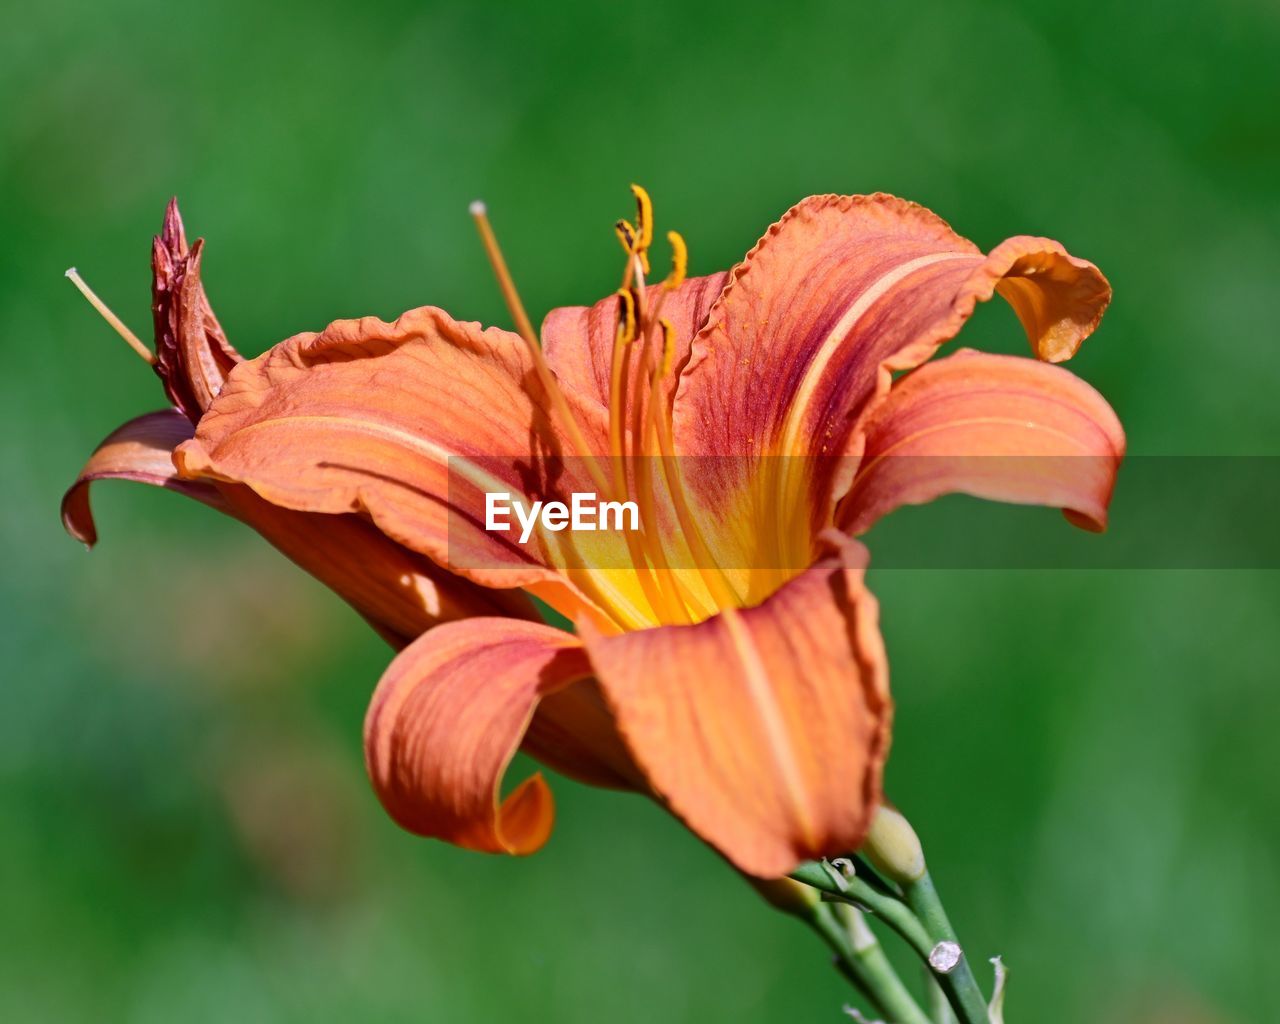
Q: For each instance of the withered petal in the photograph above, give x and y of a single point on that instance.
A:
(193, 356)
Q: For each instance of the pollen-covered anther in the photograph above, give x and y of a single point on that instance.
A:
(632, 244)
(626, 235)
(626, 315)
(668, 345)
(644, 216)
(679, 261)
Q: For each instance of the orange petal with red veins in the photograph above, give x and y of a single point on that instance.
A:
(765, 729)
(573, 732)
(413, 422)
(399, 592)
(579, 339)
(836, 295)
(1000, 427)
(448, 717)
(141, 450)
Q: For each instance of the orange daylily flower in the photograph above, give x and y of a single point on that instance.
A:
(755, 418)
(401, 593)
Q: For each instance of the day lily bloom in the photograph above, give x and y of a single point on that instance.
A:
(727, 659)
(401, 593)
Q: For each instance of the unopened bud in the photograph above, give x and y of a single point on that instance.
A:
(893, 847)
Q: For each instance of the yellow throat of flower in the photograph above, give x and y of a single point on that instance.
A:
(650, 590)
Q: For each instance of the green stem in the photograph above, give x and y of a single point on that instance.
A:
(861, 960)
(896, 914)
(939, 1003)
(959, 983)
(921, 921)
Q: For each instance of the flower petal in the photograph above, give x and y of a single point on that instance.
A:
(1000, 427)
(141, 450)
(573, 732)
(839, 293)
(579, 339)
(766, 729)
(413, 422)
(401, 593)
(446, 720)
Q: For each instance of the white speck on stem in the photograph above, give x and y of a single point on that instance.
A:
(945, 957)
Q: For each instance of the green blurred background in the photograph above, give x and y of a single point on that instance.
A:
(185, 828)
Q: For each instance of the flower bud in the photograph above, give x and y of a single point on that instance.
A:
(893, 847)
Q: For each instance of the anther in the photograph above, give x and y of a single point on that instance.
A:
(644, 216)
(626, 315)
(132, 339)
(626, 235)
(668, 345)
(679, 261)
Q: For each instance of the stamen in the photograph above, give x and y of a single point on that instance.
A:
(627, 315)
(132, 339)
(626, 235)
(668, 346)
(481, 216)
(656, 417)
(717, 583)
(644, 216)
(658, 596)
(679, 261)
(621, 357)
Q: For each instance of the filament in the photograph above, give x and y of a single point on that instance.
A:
(525, 329)
(132, 339)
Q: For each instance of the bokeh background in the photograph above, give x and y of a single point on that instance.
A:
(185, 828)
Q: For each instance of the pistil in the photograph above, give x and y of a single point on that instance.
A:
(144, 353)
(525, 329)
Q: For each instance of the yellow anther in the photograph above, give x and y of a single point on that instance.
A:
(626, 235)
(644, 216)
(679, 261)
(626, 315)
(668, 345)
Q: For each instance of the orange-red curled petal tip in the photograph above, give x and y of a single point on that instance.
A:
(1059, 298)
(140, 450)
(448, 716)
